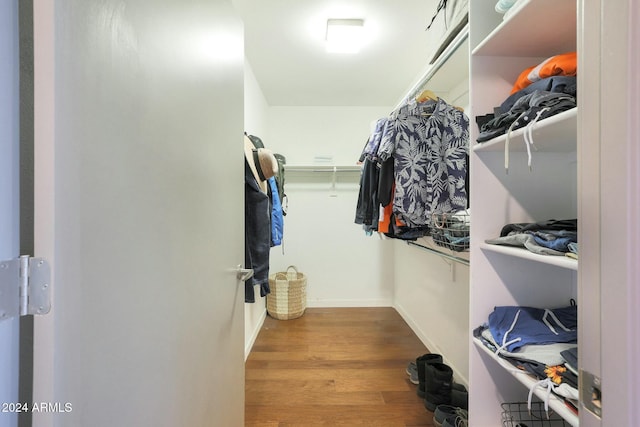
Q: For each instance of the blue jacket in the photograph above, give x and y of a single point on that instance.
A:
(277, 220)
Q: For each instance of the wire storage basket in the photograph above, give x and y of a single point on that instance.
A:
(517, 414)
(451, 230)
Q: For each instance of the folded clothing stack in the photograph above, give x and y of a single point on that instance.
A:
(551, 237)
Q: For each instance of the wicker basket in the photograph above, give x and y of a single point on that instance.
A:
(288, 297)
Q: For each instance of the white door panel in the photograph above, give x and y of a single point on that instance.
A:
(147, 321)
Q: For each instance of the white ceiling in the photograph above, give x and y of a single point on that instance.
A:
(284, 44)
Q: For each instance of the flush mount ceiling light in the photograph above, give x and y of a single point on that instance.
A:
(345, 35)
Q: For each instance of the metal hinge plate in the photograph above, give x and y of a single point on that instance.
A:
(24, 287)
(591, 392)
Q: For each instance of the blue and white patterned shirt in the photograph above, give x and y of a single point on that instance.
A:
(429, 143)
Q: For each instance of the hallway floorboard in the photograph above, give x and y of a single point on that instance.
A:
(334, 367)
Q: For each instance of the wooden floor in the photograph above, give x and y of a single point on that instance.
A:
(334, 367)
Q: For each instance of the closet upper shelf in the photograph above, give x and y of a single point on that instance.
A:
(447, 72)
(538, 28)
(322, 168)
(553, 134)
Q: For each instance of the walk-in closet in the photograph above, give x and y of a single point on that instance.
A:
(539, 172)
(215, 214)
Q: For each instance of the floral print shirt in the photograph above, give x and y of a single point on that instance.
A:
(429, 143)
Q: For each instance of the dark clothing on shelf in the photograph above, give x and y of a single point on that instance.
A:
(529, 108)
(556, 84)
(552, 224)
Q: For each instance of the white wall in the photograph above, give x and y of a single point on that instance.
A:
(255, 123)
(432, 295)
(344, 266)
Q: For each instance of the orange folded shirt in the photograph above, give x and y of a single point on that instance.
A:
(565, 64)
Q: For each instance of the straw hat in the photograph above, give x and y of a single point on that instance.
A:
(262, 162)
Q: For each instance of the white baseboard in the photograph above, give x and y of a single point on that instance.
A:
(343, 303)
(433, 348)
(254, 335)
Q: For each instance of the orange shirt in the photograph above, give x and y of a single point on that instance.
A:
(565, 64)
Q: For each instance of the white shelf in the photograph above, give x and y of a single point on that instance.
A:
(553, 134)
(322, 168)
(557, 260)
(538, 28)
(555, 403)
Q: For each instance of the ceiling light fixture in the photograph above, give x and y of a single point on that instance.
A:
(345, 35)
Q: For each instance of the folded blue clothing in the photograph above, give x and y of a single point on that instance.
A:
(556, 240)
(513, 326)
(573, 247)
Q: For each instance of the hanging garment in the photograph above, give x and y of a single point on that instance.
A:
(429, 144)
(373, 143)
(277, 221)
(367, 207)
(259, 166)
(257, 238)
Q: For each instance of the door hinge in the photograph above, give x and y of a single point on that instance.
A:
(25, 285)
(591, 392)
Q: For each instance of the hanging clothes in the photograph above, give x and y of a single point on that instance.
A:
(260, 167)
(277, 220)
(257, 219)
(429, 144)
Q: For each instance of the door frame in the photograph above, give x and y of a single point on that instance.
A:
(44, 196)
(9, 199)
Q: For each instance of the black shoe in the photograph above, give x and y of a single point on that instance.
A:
(421, 363)
(459, 396)
(438, 384)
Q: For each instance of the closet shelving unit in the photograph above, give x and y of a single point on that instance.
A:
(500, 275)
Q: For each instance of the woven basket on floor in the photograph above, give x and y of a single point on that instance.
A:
(288, 297)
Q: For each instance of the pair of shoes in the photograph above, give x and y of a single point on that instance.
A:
(412, 371)
(450, 416)
(422, 363)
